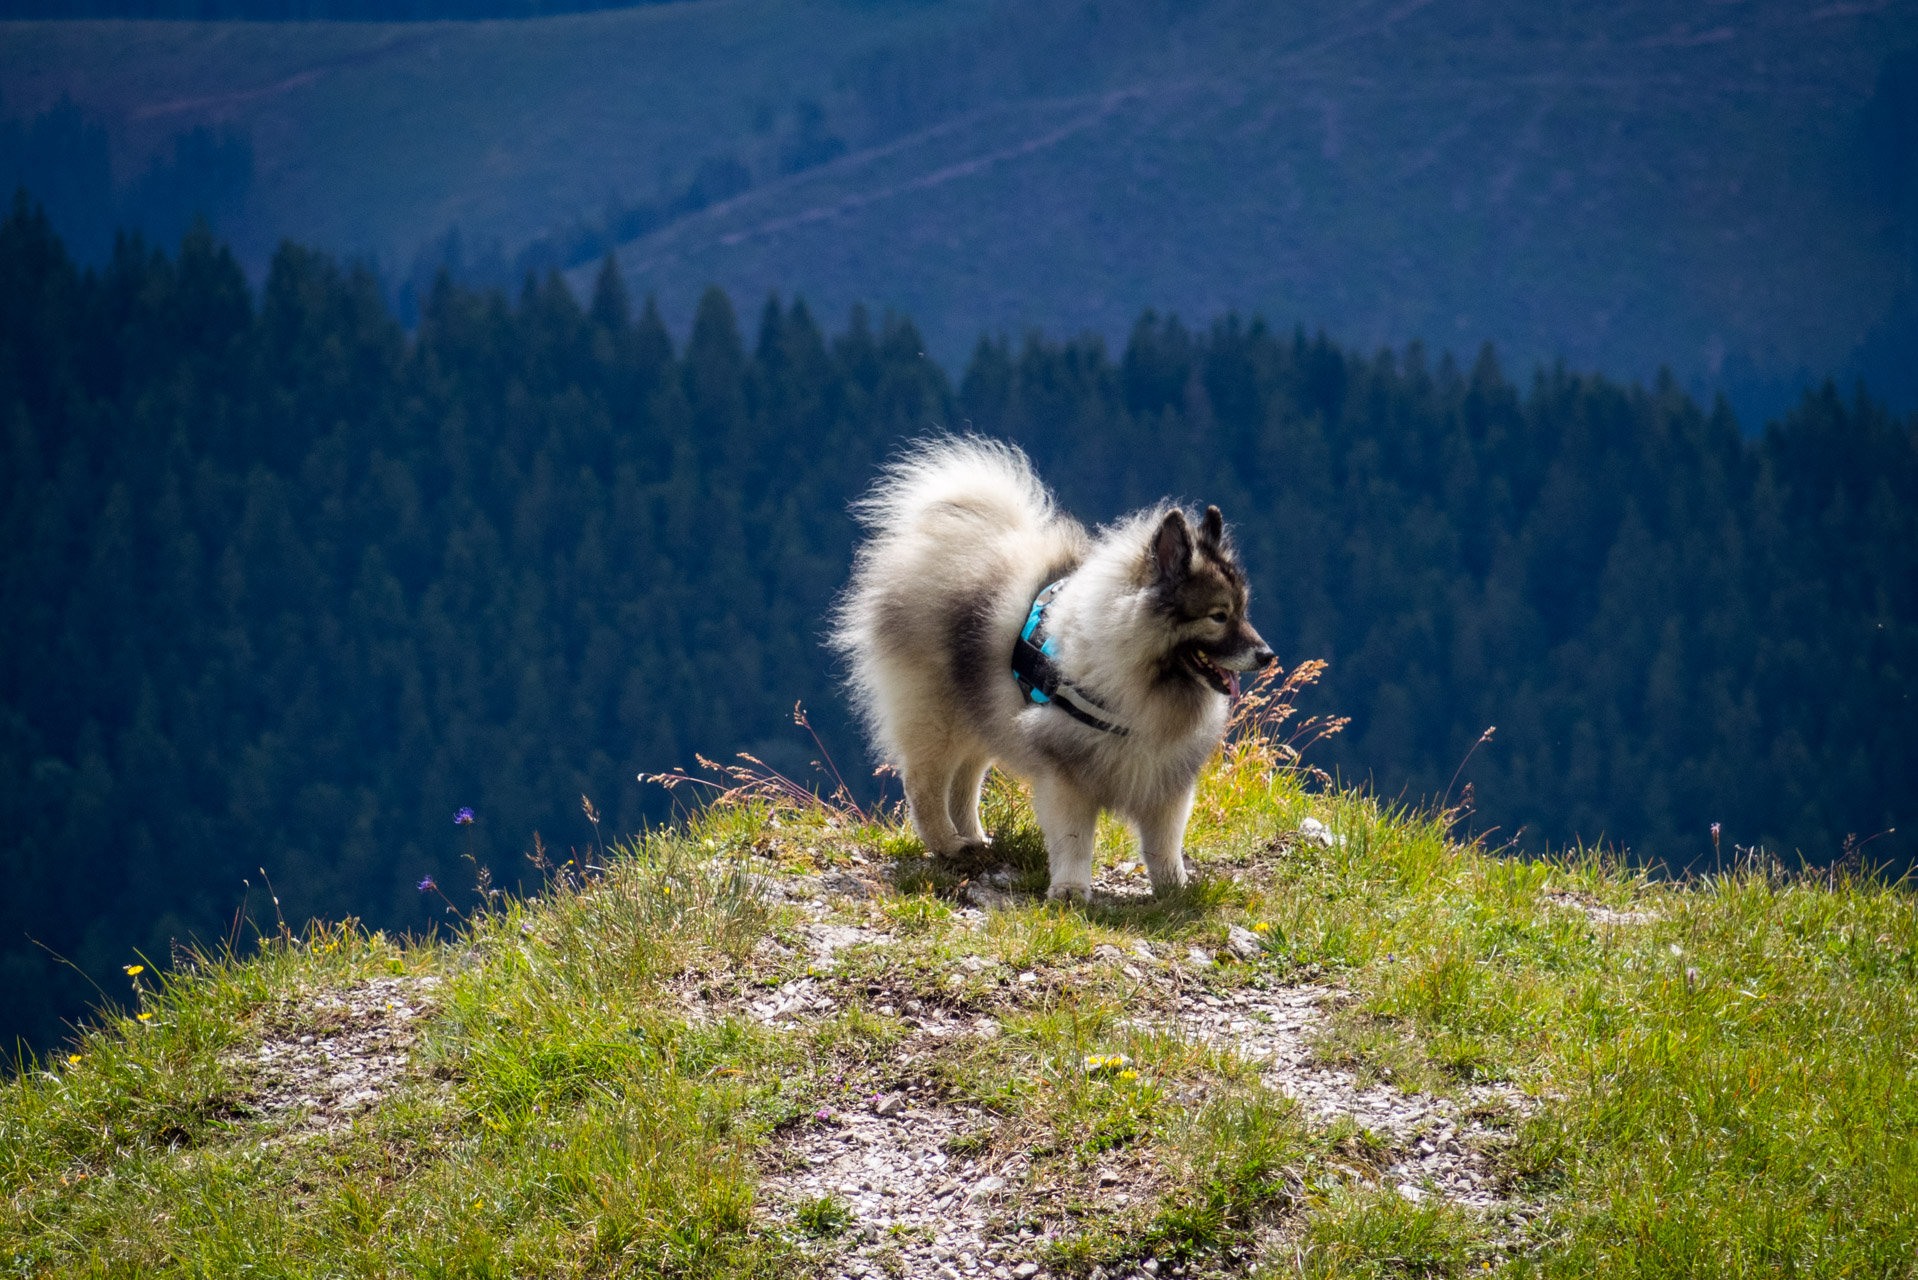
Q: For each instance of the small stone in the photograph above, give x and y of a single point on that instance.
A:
(1106, 951)
(849, 886)
(1025, 1271)
(1411, 1192)
(1244, 943)
(1131, 971)
(887, 1104)
(1314, 830)
(1028, 977)
(1150, 1266)
(986, 1187)
(1198, 957)
(886, 1011)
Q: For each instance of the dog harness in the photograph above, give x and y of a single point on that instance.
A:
(1036, 668)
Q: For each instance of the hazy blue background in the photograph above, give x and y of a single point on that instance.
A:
(1726, 189)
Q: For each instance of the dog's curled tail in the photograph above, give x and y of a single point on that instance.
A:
(948, 478)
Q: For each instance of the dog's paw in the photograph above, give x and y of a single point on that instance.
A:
(1079, 893)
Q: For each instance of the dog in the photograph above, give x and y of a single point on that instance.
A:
(982, 626)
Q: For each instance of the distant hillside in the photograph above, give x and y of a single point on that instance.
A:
(1728, 193)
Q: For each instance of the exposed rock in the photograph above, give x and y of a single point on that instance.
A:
(845, 885)
(1244, 943)
(893, 1171)
(1440, 1145)
(358, 1053)
(987, 897)
(1317, 832)
(791, 1002)
(1596, 912)
(828, 938)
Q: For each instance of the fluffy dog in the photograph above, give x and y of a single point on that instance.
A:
(982, 626)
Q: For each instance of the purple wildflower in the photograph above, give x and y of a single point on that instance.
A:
(463, 817)
(428, 885)
(822, 1114)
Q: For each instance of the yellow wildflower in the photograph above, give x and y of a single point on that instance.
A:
(1262, 927)
(135, 970)
(1128, 1074)
(144, 1016)
(73, 1059)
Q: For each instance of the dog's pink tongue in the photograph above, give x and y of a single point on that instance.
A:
(1232, 684)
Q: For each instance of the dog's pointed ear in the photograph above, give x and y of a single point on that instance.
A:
(1212, 528)
(1172, 546)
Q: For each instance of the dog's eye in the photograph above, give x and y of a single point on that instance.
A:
(1220, 615)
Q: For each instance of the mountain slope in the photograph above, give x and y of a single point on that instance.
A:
(1612, 187)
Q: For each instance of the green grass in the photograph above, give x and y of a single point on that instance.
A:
(1729, 1087)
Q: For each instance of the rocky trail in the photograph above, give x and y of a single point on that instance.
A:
(915, 1209)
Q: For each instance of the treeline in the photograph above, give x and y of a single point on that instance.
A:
(285, 587)
(62, 156)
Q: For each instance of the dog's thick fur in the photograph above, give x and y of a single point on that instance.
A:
(1150, 623)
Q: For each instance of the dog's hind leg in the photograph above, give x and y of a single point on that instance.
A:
(928, 789)
(963, 800)
(1070, 820)
(1162, 841)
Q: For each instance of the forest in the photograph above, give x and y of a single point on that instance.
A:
(287, 585)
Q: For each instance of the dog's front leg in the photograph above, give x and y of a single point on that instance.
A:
(1070, 820)
(1162, 841)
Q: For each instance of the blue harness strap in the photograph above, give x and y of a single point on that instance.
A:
(1035, 666)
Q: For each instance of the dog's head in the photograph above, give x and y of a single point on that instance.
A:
(1200, 592)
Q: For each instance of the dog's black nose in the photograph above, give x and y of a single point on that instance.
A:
(1262, 657)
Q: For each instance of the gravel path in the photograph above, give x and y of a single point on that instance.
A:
(919, 1211)
(341, 1052)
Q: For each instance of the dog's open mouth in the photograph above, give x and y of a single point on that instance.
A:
(1226, 682)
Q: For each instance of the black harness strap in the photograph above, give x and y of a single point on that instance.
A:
(1039, 676)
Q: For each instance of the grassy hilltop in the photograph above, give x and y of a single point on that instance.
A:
(777, 1040)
